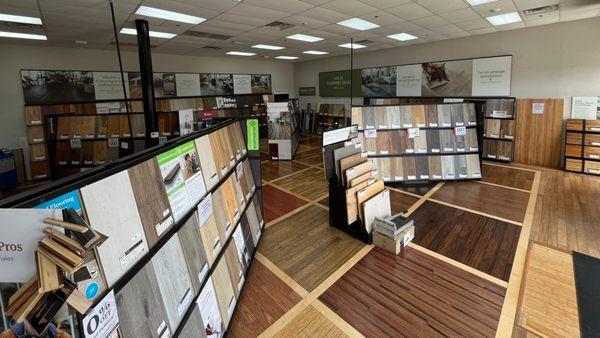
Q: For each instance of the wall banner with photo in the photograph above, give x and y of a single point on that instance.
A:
(489, 76)
(69, 86)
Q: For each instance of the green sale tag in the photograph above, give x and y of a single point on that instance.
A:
(252, 129)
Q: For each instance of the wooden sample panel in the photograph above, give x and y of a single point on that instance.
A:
(234, 265)
(219, 220)
(377, 206)
(549, 300)
(207, 161)
(306, 248)
(264, 300)
(278, 203)
(194, 326)
(194, 252)
(538, 136)
(224, 291)
(483, 243)
(414, 294)
(111, 209)
(297, 183)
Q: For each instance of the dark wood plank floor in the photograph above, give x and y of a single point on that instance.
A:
(510, 177)
(278, 203)
(264, 300)
(272, 170)
(497, 201)
(306, 248)
(415, 295)
(419, 189)
(401, 202)
(480, 242)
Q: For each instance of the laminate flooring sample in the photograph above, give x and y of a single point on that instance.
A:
(88, 127)
(381, 164)
(219, 153)
(234, 265)
(444, 115)
(76, 126)
(396, 168)
(504, 150)
(471, 140)
(368, 119)
(490, 148)
(341, 153)
(140, 306)
(457, 116)
(194, 252)
(383, 143)
(460, 143)
(228, 147)
(419, 119)
(114, 126)
(328, 161)
(448, 167)
(100, 148)
(422, 166)
(62, 151)
(194, 326)
(111, 209)
(409, 167)
(210, 311)
(351, 201)
(421, 142)
(366, 194)
(473, 166)
(377, 206)
(356, 117)
(230, 198)
(469, 114)
(240, 195)
(138, 125)
(447, 141)
(381, 120)
(224, 291)
(207, 161)
(393, 117)
(87, 152)
(431, 115)
(249, 176)
(255, 226)
(433, 140)
(101, 126)
(502, 106)
(492, 128)
(257, 207)
(173, 280)
(213, 235)
(460, 166)
(357, 171)
(220, 215)
(369, 145)
(507, 129)
(396, 143)
(151, 200)
(351, 161)
(124, 129)
(406, 116)
(247, 234)
(435, 167)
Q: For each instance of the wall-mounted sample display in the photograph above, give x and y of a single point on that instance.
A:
(582, 146)
(111, 209)
(212, 234)
(499, 129)
(236, 273)
(194, 326)
(538, 137)
(283, 120)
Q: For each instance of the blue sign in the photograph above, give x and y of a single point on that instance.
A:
(66, 201)
(92, 290)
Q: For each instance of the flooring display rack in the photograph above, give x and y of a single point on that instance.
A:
(192, 209)
(284, 129)
(582, 146)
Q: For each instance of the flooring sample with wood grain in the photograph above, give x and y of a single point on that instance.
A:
(433, 141)
(393, 117)
(444, 115)
(194, 326)
(419, 116)
(447, 141)
(420, 142)
(409, 168)
(499, 107)
(431, 115)
(151, 200)
(111, 209)
(278, 202)
(207, 161)
(341, 153)
(435, 167)
(480, 242)
(296, 244)
(140, 306)
(457, 116)
(100, 148)
(492, 128)
(473, 166)
(414, 294)
(422, 167)
(377, 206)
(471, 142)
(448, 167)
(263, 293)
(194, 252)
(538, 140)
(220, 215)
(351, 201)
(272, 170)
(460, 166)
(224, 291)
(510, 177)
(366, 194)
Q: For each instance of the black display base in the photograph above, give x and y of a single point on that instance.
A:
(338, 217)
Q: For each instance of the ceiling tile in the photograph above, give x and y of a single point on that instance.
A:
(431, 22)
(382, 18)
(459, 34)
(404, 27)
(217, 5)
(256, 22)
(570, 16)
(349, 7)
(511, 26)
(482, 31)
(244, 10)
(171, 5)
(474, 24)
(495, 8)
(527, 4)
(410, 11)
(383, 4)
(445, 30)
(287, 6)
(441, 6)
(305, 21)
(326, 15)
(460, 15)
(338, 29)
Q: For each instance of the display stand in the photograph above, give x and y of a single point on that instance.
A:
(284, 129)
(582, 146)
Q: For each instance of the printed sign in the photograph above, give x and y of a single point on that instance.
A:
(308, 91)
(491, 76)
(408, 80)
(103, 319)
(537, 108)
(585, 107)
(252, 132)
(242, 84)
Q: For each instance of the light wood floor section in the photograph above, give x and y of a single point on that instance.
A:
(310, 323)
(549, 302)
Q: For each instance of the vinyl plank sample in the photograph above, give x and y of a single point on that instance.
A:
(435, 167)
(101, 126)
(492, 128)
(207, 161)
(194, 326)
(352, 202)
(87, 153)
(230, 200)
(433, 141)
(393, 117)
(409, 167)
(377, 206)
(473, 166)
(368, 118)
(431, 115)
(381, 120)
(414, 294)
(341, 153)
(194, 252)
(279, 203)
(447, 141)
(471, 142)
(224, 291)
(151, 200)
(469, 114)
(111, 209)
(212, 234)
(255, 225)
(382, 164)
(499, 107)
(418, 117)
(457, 116)
(444, 115)
(460, 166)
(396, 168)
(420, 142)
(359, 170)
(219, 153)
(383, 143)
(406, 116)
(448, 167)
(504, 150)
(366, 194)
(140, 306)
(460, 143)
(234, 266)
(100, 148)
(220, 216)
(422, 166)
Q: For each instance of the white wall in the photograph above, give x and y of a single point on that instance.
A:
(553, 61)
(15, 57)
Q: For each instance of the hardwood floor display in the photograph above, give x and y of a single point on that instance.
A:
(393, 117)
(381, 120)
(207, 162)
(101, 126)
(420, 142)
(448, 167)
(141, 310)
(114, 126)
(444, 115)
(418, 116)
(456, 115)
(549, 301)
(575, 124)
(124, 129)
(222, 214)
(422, 167)
(507, 129)
(383, 144)
(36, 134)
(368, 118)
(504, 150)
(433, 141)
(460, 143)
(431, 115)
(382, 164)
(194, 326)
(278, 203)
(272, 170)
(435, 167)
(504, 107)
(575, 138)
(357, 171)
(409, 168)
(396, 168)
(406, 116)
(297, 183)
(539, 136)
(311, 323)
(473, 166)
(173, 280)
(111, 210)
(492, 128)
(447, 141)
(138, 125)
(342, 153)
(351, 201)
(151, 200)
(510, 177)
(460, 166)
(400, 202)
(471, 142)
(219, 153)
(306, 248)
(485, 198)
(224, 291)
(38, 152)
(100, 148)
(377, 206)
(351, 161)
(236, 274)
(194, 252)
(414, 294)
(480, 242)
(365, 194)
(490, 150)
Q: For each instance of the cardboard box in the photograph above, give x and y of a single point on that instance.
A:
(386, 243)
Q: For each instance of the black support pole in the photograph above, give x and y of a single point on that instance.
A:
(150, 115)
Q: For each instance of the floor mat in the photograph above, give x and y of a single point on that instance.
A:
(587, 278)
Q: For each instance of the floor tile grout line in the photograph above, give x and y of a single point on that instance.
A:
(509, 307)
(460, 265)
(475, 212)
(338, 321)
(503, 186)
(306, 199)
(291, 213)
(289, 281)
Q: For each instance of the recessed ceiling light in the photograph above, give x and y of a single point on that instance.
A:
(504, 19)
(271, 47)
(240, 53)
(80, 42)
(153, 34)
(352, 45)
(402, 37)
(283, 57)
(23, 36)
(479, 2)
(20, 19)
(315, 52)
(307, 38)
(358, 24)
(168, 15)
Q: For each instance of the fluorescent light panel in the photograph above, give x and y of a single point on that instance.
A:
(284, 57)
(240, 53)
(20, 19)
(168, 15)
(479, 2)
(358, 24)
(315, 52)
(303, 37)
(153, 34)
(504, 19)
(402, 37)
(271, 47)
(22, 36)
(352, 45)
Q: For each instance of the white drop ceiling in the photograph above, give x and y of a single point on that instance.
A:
(65, 21)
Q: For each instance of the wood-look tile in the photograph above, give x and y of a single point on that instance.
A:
(414, 294)
(325, 201)
(510, 177)
(194, 326)
(497, 201)
(306, 248)
(400, 202)
(223, 290)
(309, 183)
(272, 170)
(264, 300)
(278, 203)
(480, 242)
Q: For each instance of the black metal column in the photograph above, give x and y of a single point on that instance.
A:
(150, 115)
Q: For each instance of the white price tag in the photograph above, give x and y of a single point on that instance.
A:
(383, 126)
(384, 152)
(370, 133)
(433, 125)
(124, 145)
(113, 143)
(398, 178)
(76, 143)
(412, 177)
(154, 134)
(458, 131)
(396, 126)
(410, 151)
(407, 125)
(435, 150)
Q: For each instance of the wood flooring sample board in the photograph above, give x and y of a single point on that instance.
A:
(194, 252)
(377, 206)
(212, 235)
(111, 209)
(224, 291)
(210, 311)
(207, 162)
(365, 194)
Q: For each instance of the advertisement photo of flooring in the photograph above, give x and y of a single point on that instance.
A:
(489, 258)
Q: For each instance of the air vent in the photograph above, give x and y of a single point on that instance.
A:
(540, 10)
(212, 47)
(278, 25)
(363, 42)
(205, 35)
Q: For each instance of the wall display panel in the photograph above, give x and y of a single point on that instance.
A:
(210, 312)
(194, 252)
(111, 210)
(538, 139)
(151, 200)
(582, 147)
(224, 291)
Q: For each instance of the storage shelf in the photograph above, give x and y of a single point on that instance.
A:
(499, 139)
(499, 118)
